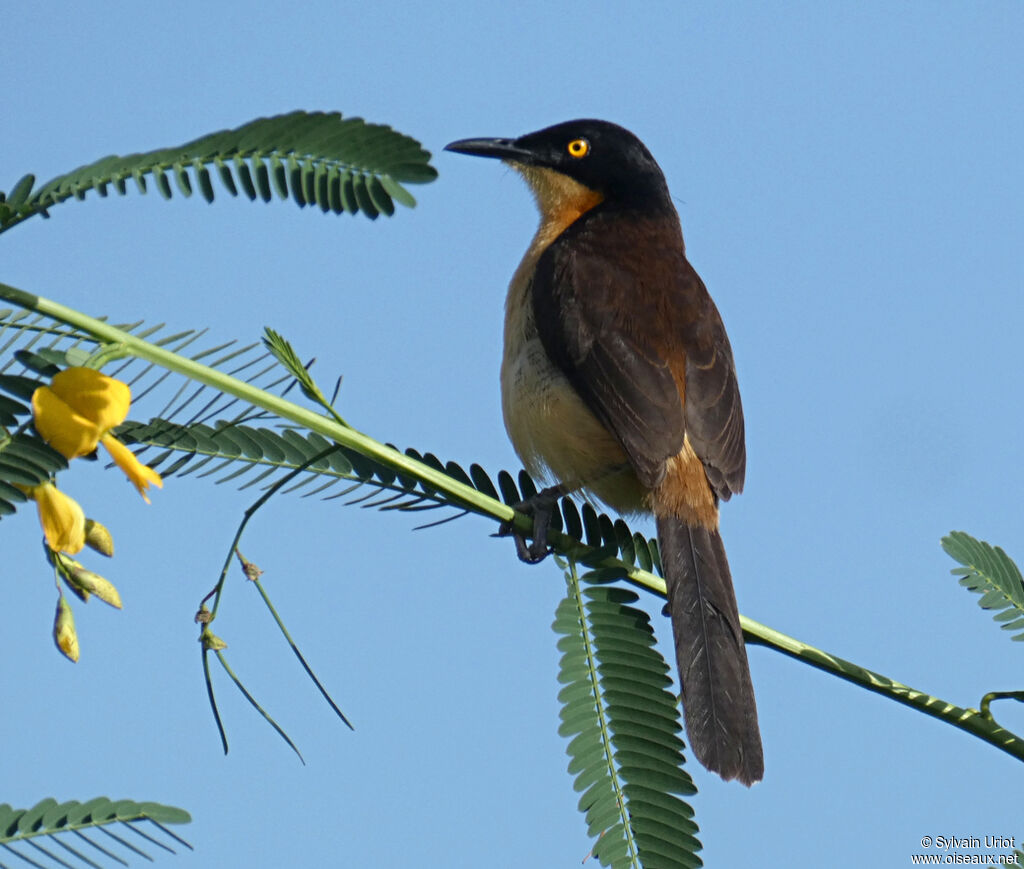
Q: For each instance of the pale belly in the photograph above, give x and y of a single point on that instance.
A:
(556, 435)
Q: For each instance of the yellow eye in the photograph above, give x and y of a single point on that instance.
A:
(578, 148)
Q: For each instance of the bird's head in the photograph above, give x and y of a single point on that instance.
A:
(580, 159)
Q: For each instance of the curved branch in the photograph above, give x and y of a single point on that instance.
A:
(969, 720)
(465, 496)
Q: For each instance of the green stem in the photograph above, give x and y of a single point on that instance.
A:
(252, 700)
(969, 720)
(213, 700)
(218, 591)
(986, 701)
(299, 655)
(131, 345)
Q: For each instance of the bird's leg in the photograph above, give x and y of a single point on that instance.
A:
(540, 508)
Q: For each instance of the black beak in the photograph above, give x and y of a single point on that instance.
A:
(501, 149)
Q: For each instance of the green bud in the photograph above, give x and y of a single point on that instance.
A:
(64, 634)
(211, 642)
(66, 567)
(98, 537)
(94, 583)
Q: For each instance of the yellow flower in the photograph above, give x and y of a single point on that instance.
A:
(77, 411)
(61, 517)
(78, 407)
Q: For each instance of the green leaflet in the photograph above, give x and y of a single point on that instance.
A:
(195, 430)
(315, 158)
(990, 572)
(27, 832)
(26, 461)
(622, 720)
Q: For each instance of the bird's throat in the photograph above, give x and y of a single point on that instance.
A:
(560, 200)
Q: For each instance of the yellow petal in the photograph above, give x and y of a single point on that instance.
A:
(62, 519)
(141, 475)
(64, 634)
(100, 399)
(69, 433)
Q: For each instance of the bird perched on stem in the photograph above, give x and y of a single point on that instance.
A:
(618, 381)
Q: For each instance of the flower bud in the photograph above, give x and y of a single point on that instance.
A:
(65, 566)
(64, 634)
(211, 642)
(94, 583)
(99, 538)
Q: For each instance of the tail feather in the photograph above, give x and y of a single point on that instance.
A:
(718, 698)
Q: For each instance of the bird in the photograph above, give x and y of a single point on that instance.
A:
(618, 382)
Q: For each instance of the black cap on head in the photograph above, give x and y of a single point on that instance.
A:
(600, 155)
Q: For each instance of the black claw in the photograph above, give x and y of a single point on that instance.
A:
(540, 507)
(531, 553)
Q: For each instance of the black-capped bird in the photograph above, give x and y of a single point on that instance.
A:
(618, 380)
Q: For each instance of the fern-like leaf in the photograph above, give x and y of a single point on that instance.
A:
(25, 832)
(25, 460)
(194, 433)
(230, 451)
(247, 455)
(622, 722)
(316, 158)
(990, 572)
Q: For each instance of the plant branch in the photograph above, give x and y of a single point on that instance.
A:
(464, 496)
(969, 720)
(253, 573)
(130, 345)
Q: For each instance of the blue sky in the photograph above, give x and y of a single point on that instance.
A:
(849, 180)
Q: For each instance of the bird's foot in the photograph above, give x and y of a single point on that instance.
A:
(540, 508)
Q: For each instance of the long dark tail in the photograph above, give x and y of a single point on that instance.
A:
(718, 698)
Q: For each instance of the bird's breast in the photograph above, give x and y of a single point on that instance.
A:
(554, 433)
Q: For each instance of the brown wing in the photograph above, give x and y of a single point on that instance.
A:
(714, 412)
(615, 301)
